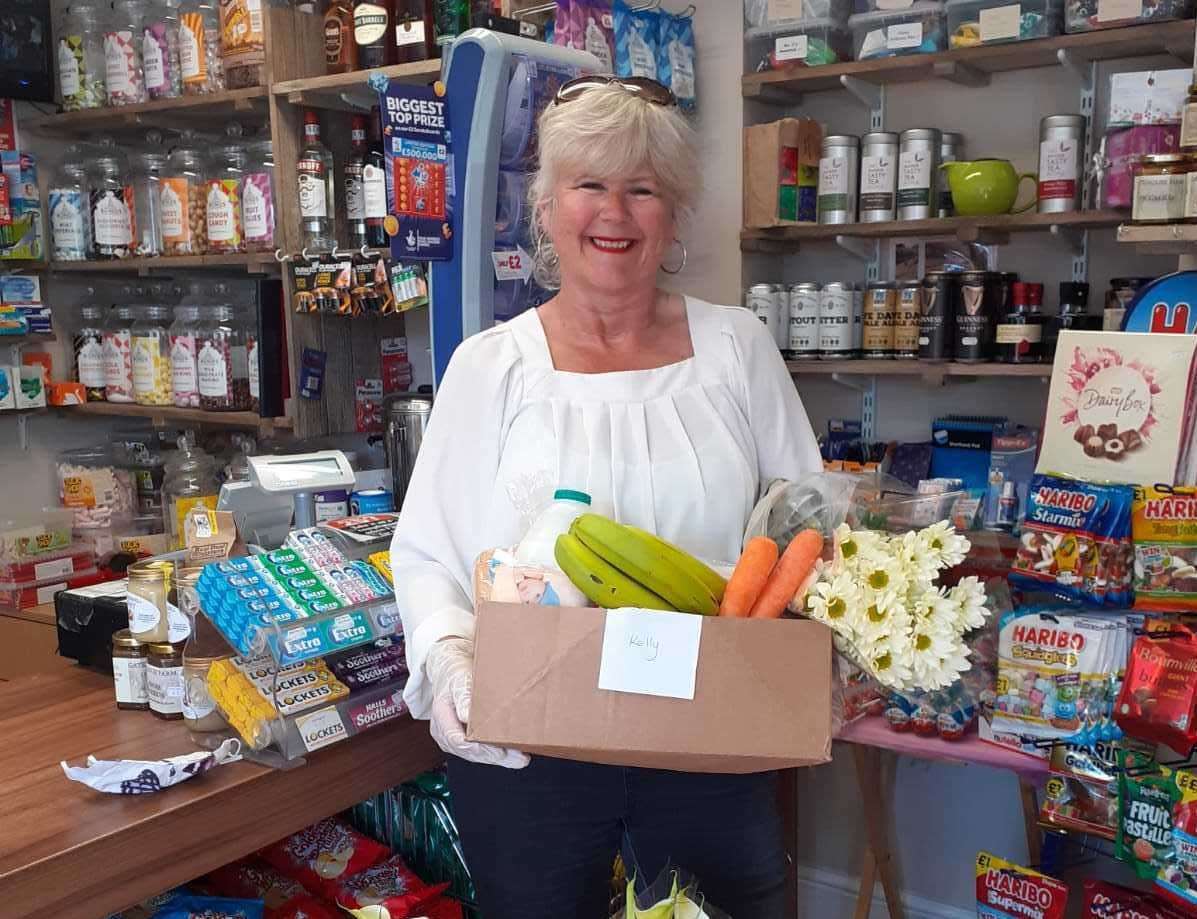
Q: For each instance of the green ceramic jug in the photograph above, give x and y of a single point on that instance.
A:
(983, 188)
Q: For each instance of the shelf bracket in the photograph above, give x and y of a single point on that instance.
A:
(868, 403)
(961, 74)
(23, 431)
(1075, 239)
(870, 95)
(1079, 241)
(1071, 60)
(863, 249)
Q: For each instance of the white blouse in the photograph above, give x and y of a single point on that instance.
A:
(680, 450)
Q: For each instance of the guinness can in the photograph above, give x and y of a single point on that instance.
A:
(976, 315)
(937, 316)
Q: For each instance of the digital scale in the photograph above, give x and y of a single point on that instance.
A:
(280, 493)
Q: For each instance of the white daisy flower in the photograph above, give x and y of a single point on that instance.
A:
(969, 597)
(944, 544)
(831, 600)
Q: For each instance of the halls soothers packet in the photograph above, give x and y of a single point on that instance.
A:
(636, 34)
(1009, 891)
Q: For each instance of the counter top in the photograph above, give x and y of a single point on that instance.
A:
(74, 853)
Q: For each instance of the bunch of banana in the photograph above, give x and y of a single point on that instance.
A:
(616, 565)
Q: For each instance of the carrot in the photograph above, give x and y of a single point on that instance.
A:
(749, 577)
(788, 574)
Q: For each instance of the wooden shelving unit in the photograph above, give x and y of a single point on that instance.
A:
(352, 91)
(1172, 239)
(166, 415)
(252, 263)
(21, 264)
(973, 66)
(187, 111)
(967, 229)
(933, 374)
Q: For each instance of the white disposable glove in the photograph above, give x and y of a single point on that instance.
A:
(450, 669)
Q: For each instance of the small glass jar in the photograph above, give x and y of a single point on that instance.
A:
(150, 342)
(199, 48)
(218, 345)
(118, 354)
(87, 346)
(123, 75)
(160, 50)
(81, 64)
(190, 482)
(183, 200)
(165, 680)
(129, 663)
(70, 221)
(148, 588)
(257, 198)
(147, 169)
(184, 384)
(225, 232)
(110, 200)
(1160, 183)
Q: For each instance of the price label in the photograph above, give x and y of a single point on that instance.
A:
(512, 265)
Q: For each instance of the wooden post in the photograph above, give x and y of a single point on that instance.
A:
(1030, 820)
(876, 812)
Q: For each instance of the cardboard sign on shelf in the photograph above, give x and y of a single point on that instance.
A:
(1167, 304)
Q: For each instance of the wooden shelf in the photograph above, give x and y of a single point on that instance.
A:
(166, 414)
(1170, 239)
(930, 372)
(352, 91)
(22, 264)
(966, 229)
(252, 262)
(972, 66)
(187, 111)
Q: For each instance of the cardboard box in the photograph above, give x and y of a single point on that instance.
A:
(762, 694)
(781, 172)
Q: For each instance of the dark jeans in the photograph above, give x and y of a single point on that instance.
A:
(540, 841)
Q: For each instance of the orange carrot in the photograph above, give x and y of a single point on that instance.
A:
(788, 574)
(747, 581)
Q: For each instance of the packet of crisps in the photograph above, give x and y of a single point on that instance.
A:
(1009, 891)
(1104, 900)
(1158, 698)
(1145, 803)
(1177, 877)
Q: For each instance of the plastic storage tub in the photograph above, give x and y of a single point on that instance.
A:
(796, 43)
(35, 537)
(920, 29)
(756, 12)
(992, 22)
(1087, 15)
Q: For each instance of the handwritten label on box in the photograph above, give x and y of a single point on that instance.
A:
(650, 653)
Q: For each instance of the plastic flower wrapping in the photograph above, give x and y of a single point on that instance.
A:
(880, 598)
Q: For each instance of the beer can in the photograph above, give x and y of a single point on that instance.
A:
(937, 319)
(371, 501)
(804, 321)
(880, 302)
(976, 312)
(769, 303)
(906, 319)
(858, 292)
(835, 320)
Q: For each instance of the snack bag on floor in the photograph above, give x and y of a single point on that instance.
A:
(1009, 891)
(190, 906)
(391, 885)
(283, 897)
(320, 856)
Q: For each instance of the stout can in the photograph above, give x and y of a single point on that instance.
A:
(976, 315)
(906, 320)
(880, 301)
(937, 316)
(804, 321)
(770, 304)
(835, 320)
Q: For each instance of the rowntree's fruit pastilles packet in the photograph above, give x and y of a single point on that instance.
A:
(1177, 877)
(1009, 891)
(1145, 803)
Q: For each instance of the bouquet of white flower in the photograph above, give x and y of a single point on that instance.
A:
(879, 596)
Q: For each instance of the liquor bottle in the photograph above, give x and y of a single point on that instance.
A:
(1073, 314)
(355, 205)
(374, 185)
(317, 198)
(415, 32)
(340, 53)
(372, 33)
(452, 17)
(1020, 333)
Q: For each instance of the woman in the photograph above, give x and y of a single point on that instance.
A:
(666, 409)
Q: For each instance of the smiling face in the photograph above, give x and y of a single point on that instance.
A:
(610, 233)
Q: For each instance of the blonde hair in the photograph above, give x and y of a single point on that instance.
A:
(608, 132)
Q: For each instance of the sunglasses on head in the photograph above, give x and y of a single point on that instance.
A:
(646, 89)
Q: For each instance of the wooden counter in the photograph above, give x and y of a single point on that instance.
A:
(73, 853)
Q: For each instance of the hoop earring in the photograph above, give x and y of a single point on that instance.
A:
(681, 267)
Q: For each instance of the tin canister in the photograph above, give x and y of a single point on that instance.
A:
(804, 321)
(951, 148)
(1061, 162)
(937, 317)
(835, 320)
(880, 304)
(976, 315)
(906, 319)
(858, 292)
(769, 303)
(838, 178)
(371, 501)
(918, 173)
(878, 176)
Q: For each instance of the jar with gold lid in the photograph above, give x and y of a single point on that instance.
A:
(1160, 184)
(164, 680)
(204, 648)
(129, 660)
(148, 587)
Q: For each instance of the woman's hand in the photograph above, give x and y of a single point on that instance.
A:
(450, 669)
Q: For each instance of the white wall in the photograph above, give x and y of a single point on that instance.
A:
(942, 815)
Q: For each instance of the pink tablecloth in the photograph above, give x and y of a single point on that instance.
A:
(874, 732)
